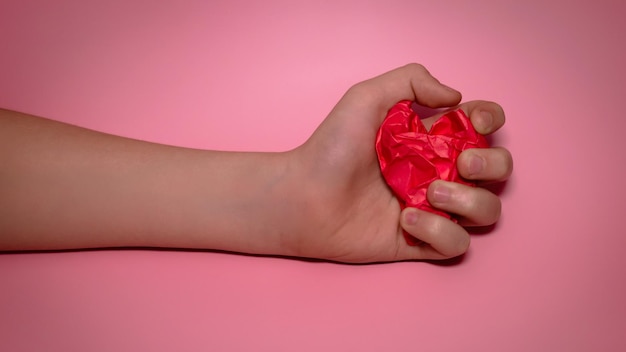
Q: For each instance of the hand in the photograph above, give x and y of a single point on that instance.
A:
(352, 215)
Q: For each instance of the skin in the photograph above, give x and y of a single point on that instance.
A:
(65, 187)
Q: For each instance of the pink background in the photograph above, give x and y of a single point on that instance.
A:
(240, 75)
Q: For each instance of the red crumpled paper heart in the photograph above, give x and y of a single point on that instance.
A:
(412, 157)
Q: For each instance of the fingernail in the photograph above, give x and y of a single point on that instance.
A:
(441, 194)
(476, 165)
(410, 217)
(485, 121)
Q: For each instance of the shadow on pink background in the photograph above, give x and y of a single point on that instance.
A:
(243, 75)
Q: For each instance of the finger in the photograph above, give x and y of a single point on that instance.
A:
(444, 238)
(487, 117)
(486, 164)
(410, 82)
(476, 206)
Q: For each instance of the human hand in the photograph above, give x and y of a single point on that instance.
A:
(352, 215)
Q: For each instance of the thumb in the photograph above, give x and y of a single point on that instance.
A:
(410, 82)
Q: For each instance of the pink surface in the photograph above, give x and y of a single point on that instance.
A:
(549, 277)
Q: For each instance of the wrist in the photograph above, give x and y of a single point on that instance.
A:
(287, 206)
(302, 205)
(245, 202)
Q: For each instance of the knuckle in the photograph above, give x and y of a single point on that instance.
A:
(505, 162)
(447, 238)
(500, 111)
(493, 107)
(363, 91)
(462, 246)
(497, 213)
(508, 162)
(489, 209)
(457, 244)
(417, 69)
(480, 206)
(469, 201)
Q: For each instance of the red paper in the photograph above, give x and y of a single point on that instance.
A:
(411, 157)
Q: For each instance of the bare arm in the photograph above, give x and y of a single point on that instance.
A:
(65, 187)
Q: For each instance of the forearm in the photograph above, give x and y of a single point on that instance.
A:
(68, 187)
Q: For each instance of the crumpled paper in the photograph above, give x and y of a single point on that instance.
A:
(412, 157)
